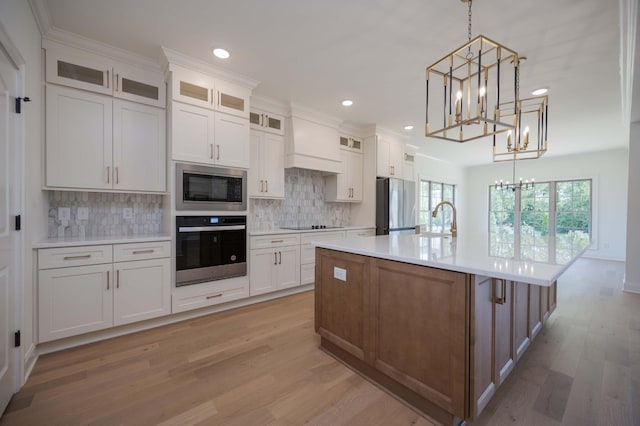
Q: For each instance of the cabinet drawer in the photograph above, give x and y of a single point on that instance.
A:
(307, 273)
(276, 240)
(307, 254)
(321, 236)
(371, 232)
(141, 251)
(221, 292)
(74, 256)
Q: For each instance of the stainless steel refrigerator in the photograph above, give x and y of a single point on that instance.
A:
(395, 206)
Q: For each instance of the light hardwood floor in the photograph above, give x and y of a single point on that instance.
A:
(261, 365)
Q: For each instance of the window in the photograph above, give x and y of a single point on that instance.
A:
(521, 221)
(431, 193)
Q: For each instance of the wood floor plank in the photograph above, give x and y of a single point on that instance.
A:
(261, 365)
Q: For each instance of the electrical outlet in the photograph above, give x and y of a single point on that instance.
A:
(339, 273)
(127, 213)
(64, 213)
(83, 213)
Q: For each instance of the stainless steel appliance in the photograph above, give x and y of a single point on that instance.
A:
(210, 248)
(210, 188)
(395, 206)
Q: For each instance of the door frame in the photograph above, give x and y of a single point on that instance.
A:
(16, 205)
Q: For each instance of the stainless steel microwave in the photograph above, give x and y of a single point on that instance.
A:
(210, 188)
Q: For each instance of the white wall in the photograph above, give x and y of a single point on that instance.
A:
(608, 169)
(632, 268)
(18, 21)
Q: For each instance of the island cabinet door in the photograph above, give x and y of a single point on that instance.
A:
(341, 300)
(492, 328)
(535, 310)
(420, 332)
(521, 301)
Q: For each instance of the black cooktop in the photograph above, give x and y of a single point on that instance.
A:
(306, 228)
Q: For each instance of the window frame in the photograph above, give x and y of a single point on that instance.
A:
(448, 215)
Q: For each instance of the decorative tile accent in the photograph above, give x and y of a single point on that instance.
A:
(303, 205)
(106, 215)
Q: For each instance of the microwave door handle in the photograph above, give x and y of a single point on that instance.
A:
(211, 228)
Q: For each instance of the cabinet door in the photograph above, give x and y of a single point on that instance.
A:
(232, 99)
(191, 87)
(355, 173)
(409, 168)
(78, 139)
(79, 69)
(504, 319)
(192, 133)
(266, 121)
(139, 147)
(262, 275)
(73, 301)
(383, 161)
(535, 319)
(272, 154)
(288, 268)
(142, 290)
(484, 334)
(231, 141)
(256, 185)
(521, 318)
(396, 160)
(139, 86)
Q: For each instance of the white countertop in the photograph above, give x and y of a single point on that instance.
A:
(92, 241)
(299, 231)
(469, 254)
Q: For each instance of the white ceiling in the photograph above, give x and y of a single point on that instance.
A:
(317, 53)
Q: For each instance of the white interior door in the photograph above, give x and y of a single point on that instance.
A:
(8, 249)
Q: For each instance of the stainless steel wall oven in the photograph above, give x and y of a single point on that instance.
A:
(210, 248)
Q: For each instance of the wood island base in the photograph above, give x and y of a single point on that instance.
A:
(441, 341)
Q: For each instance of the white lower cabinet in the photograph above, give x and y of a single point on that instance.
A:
(275, 263)
(80, 290)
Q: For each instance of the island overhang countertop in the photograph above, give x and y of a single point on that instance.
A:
(473, 254)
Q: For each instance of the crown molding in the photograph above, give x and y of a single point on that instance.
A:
(57, 37)
(354, 129)
(270, 104)
(42, 15)
(391, 133)
(171, 56)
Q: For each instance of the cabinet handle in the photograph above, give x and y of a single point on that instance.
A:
(211, 145)
(117, 175)
(280, 256)
(108, 173)
(261, 186)
(218, 157)
(266, 185)
(84, 256)
(211, 99)
(275, 258)
(214, 296)
(262, 120)
(108, 279)
(108, 78)
(277, 241)
(117, 83)
(118, 278)
(218, 98)
(266, 120)
(143, 251)
(503, 299)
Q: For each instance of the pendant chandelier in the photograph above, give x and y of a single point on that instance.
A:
(521, 184)
(465, 89)
(528, 139)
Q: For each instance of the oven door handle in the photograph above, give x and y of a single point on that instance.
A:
(211, 228)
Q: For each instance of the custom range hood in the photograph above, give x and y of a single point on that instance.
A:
(313, 141)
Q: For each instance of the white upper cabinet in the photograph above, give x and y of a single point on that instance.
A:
(390, 158)
(266, 175)
(95, 142)
(78, 139)
(139, 152)
(266, 121)
(201, 90)
(346, 185)
(231, 136)
(409, 166)
(87, 71)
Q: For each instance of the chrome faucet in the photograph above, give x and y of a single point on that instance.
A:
(454, 226)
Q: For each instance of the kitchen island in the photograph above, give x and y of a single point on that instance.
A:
(438, 321)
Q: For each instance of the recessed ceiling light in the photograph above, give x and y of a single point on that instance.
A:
(347, 102)
(408, 127)
(221, 53)
(539, 92)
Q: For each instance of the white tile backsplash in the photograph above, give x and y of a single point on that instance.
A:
(105, 214)
(304, 204)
